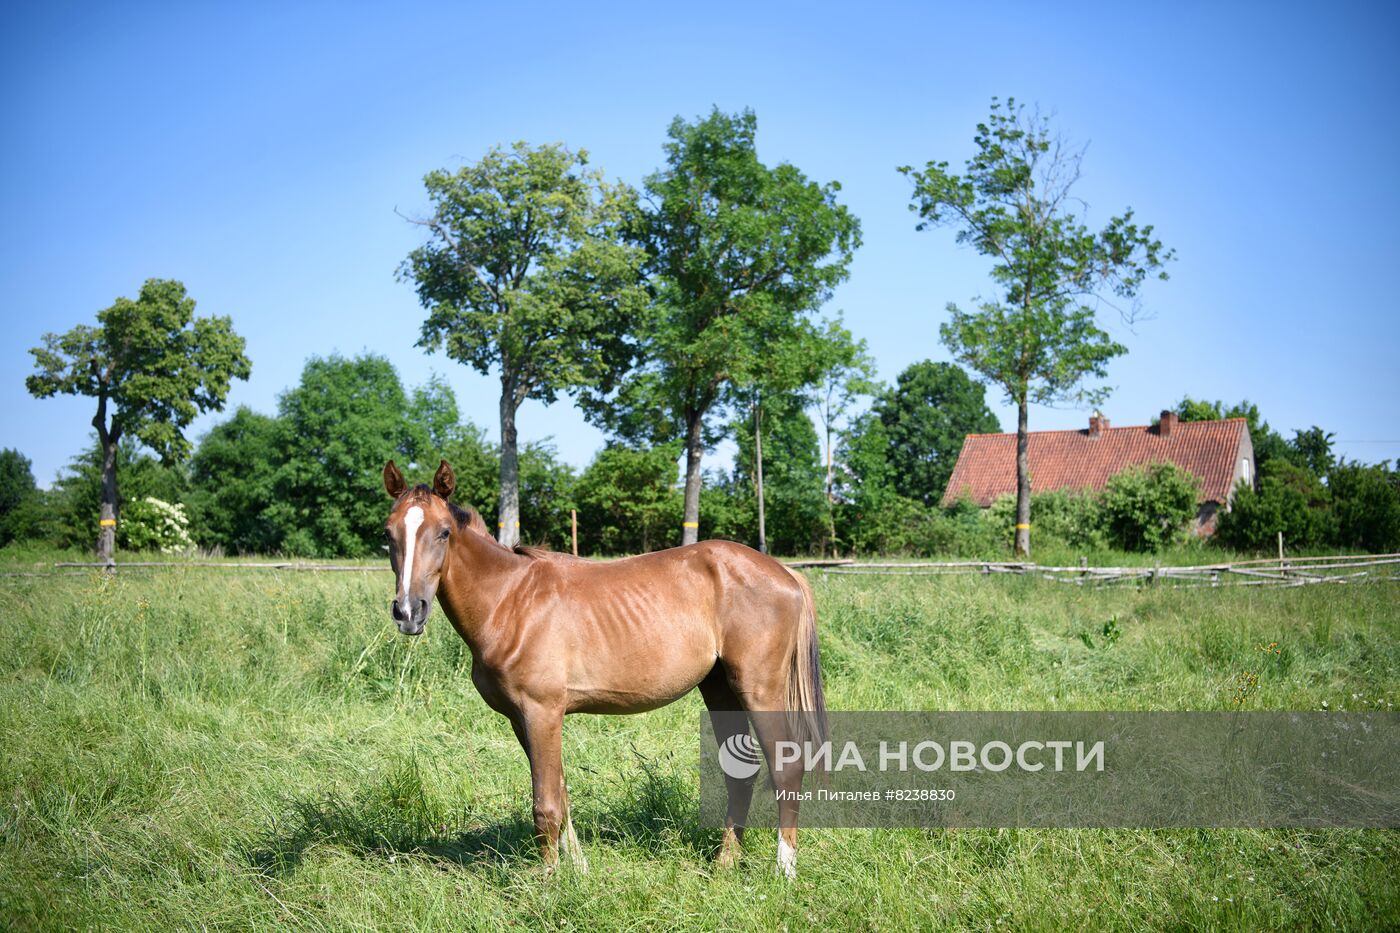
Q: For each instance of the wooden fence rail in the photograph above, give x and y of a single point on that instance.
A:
(1296, 571)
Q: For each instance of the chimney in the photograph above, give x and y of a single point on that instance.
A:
(1097, 423)
(1166, 424)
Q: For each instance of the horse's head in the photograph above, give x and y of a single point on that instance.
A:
(419, 530)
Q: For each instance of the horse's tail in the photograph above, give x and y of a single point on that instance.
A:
(804, 687)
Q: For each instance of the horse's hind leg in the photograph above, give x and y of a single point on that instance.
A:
(764, 694)
(774, 727)
(729, 719)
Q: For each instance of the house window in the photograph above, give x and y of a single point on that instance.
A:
(1244, 470)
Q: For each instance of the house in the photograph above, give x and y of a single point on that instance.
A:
(1220, 453)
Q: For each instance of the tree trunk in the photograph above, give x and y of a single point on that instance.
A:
(758, 473)
(830, 496)
(107, 527)
(694, 442)
(508, 506)
(1023, 481)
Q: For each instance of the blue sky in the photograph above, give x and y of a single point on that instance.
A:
(257, 152)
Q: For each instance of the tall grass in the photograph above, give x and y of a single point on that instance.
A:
(231, 749)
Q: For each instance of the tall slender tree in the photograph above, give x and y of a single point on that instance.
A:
(1041, 340)
(152, 366)
(525, 273)
(740, 255)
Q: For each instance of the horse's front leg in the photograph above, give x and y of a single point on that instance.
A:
(540, 731)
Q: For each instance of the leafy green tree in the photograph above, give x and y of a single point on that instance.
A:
(1366, 500)
(546, 495)
(871, 516)
(17, 491)
(152, 366)
(1312, 450)
(793, 477)
(739, 254)
(434, 413)
(1147, 508)
(627, 499)
(76, 499)
(727, 508)
(1289, 499)
(234, 477)
(926, 415)
(1041, 341)
(477, 466)
(525, 273)
(341, 422)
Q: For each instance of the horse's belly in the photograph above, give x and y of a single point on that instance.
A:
(640, 673)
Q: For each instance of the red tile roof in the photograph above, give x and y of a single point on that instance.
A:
(986, 466)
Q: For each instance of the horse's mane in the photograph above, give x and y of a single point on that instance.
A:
(469, 519)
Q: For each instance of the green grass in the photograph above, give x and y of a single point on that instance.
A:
(235, 749)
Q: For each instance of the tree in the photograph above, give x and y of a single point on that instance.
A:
(17, 490)
(927, 414)
(1041, 341)
(546, 495)
(524, 273)
(793, 484)
(234, 473)
(341, 422)
(1312, 450)
(76, 499)
(152, 366)
(627, 499)
(846, 380)
(739, 254)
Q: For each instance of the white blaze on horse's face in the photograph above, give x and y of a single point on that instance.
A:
(410, 612)
(412, 521)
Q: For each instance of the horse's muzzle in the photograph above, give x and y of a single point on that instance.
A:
(410, 614)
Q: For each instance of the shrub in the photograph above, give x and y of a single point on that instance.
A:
(1148, 508)
(1073, 518)
(1289, 499)
(152, 524)
(1366, 501)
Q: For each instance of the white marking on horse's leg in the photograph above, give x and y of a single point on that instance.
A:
(412, 520)
(571, 845)
(787, 858)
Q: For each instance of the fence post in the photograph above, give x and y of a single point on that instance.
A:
(573, 521)
(1280, 550)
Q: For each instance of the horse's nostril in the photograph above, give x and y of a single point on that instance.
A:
(422, 608)
(397, 612)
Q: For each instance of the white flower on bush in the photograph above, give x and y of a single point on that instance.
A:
(152, 524)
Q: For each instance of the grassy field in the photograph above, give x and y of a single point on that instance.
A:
(235, 749)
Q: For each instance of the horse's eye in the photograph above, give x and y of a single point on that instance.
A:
(445, 534)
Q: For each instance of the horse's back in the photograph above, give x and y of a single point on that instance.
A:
(639, 632)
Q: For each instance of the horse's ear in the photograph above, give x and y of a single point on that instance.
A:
(444, 483)
(393, 480)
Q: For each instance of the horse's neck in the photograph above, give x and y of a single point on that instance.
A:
(478, 575)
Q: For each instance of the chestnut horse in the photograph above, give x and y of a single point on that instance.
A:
(552, 634)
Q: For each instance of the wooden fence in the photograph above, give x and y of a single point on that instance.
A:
(1293, 571)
